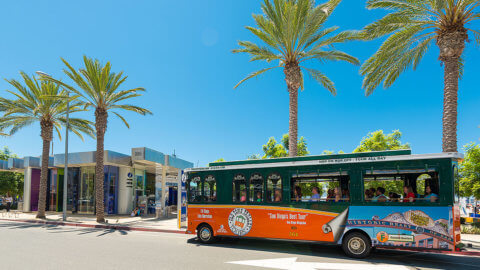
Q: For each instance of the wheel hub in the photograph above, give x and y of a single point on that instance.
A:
(356, 245)
(205, 234)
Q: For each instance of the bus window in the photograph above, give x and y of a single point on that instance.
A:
(239, 188)
(274, 188)
(314, 187)
(210, 189)
(194, 189)
(427, 187)
(256, 188)
(407, 185)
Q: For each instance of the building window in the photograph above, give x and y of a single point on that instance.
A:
(210, 189)
(274, 188)
(325, 186)
(195, 189)
(86, 192)
(239, 188)
(430, 242)
(256, 188)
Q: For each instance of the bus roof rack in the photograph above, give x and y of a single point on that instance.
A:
(317, 157)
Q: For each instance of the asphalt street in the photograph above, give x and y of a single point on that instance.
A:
(34, 246)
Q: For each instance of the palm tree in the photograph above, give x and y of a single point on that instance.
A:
(45, 103)
(98, 86)
(412, 26)
(293, 32)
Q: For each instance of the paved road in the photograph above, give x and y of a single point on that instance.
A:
(33, 246)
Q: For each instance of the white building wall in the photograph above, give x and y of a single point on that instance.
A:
(125, 190)
(27, 189)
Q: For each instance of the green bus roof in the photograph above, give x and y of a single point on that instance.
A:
(320, 157)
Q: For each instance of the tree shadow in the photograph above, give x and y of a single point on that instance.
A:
(378, 256)
(52, 228)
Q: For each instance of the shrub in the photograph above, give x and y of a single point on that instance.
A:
(470, 229)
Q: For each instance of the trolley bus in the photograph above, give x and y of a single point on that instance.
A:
(388, 199)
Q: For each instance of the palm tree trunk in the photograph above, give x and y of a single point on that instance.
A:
(450, 101)
(293, 78)
(451, 46)
(101, 126)
(46, 134)
(293, 123)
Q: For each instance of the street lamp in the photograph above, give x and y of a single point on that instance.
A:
(65, 174)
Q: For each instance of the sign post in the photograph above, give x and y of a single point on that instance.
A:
(182, 199)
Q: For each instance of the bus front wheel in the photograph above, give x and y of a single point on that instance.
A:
(205, 234)
(357, 245)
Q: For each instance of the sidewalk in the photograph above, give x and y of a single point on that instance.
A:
(118, 222)
(473, 240)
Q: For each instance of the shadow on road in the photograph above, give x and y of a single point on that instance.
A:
(62, 229)
(408, 258)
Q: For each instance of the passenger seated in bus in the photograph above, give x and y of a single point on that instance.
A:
(394, 197)
(380, 196)
(338, 194)
(368, 195)
(278, 195)
(243, 198)
(315, 194)
(259, 196)
(330, 194)
(346, 195)
(297, 193)
(429, 195)
(408, 195)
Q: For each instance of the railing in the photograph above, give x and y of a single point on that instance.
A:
(306, 199)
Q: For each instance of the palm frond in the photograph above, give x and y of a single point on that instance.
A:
(257, 52)
(38, 101)
(332, 55)
(131, 108)
(122, 118)
(254, 74)
(341, 37)
(322, 79)
(293, 32)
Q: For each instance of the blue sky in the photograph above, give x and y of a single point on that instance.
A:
(180, 51)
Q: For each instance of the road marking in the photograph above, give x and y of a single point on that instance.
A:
(292, 264)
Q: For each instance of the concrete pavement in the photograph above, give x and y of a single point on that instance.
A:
(472, 241)
(39, 246)
(112, 221)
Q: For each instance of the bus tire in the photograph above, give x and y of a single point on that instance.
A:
(357, 245)
(205, 234)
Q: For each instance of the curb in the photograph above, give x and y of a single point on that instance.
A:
(96, 226)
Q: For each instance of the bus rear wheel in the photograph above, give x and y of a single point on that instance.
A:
(357, 245)
(205, 234)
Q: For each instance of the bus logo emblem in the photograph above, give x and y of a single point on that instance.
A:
(240, 221)
(382, 237)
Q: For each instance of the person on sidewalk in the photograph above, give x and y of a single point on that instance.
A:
(8, 200)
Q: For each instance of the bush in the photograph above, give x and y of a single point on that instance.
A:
(468, 229)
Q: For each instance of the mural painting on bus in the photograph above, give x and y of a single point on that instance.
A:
(417, 227)
(271, 221)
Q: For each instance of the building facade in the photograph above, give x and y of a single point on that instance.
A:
(146, 179)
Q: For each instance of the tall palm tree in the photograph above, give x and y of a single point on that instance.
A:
(98, 86)
(293, 32)
(413, 26)
(45, 103)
